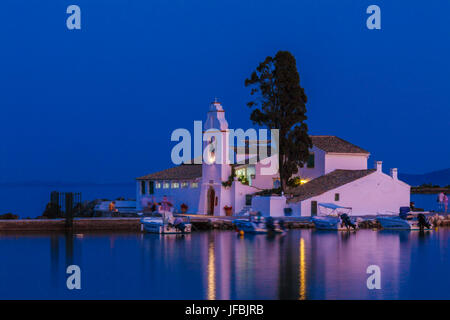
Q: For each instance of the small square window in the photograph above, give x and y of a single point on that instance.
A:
(336, 197)
(166, 185)
(158, 185)
(194, 185)
(184, 184)
(175, 185)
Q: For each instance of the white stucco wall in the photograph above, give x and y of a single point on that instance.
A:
(269, 205)
(370, 195)
(347, 161)
(177, 196)
(319, 165)
(239, 191)
(266, 171)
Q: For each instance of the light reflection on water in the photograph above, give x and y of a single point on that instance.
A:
(302, 268)
(211, 273)
(304, 264)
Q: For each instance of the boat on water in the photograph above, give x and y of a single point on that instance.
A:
(164, 223)
(334, 217)
(406, 220)
(259, 225)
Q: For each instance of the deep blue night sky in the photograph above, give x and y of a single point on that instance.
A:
(99, 104)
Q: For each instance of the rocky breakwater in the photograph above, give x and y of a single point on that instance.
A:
(439, 220)
(370, 223)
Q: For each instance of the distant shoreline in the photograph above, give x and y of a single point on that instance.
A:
(62, 184)
(429, 190)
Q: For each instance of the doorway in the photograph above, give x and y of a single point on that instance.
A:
(211, 199)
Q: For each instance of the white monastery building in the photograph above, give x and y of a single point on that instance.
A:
(336, 173)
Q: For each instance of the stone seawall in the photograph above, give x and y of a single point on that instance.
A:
(87, 224)
(123, 224)
(198, 222)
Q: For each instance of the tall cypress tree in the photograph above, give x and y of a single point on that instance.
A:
(279, 102)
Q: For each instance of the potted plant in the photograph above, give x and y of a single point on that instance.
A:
(184, 208)
(228, 210)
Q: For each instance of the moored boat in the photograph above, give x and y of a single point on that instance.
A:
(398, 223)
(336, 218)
(327, 223)
(406, 220)
(259, 225)
(165, 224)
(333, 223)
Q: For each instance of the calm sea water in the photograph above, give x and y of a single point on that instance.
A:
(30, 201)
(304, 264)
(425, 201)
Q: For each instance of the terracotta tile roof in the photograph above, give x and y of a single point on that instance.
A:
(336, 145)
(326, 183)
(182, 172)
(326, 143)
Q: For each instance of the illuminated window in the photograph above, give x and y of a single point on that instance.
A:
(194, 185)
(184, 184)
(241, 172)
(166, 185)
(175, 185)
(158, 185)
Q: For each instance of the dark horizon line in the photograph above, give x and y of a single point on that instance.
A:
(62, 183)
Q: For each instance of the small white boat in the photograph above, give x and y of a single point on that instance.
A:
(258, 226)
(335, 218)
(328, 223)
(166, 224)
(413, 223)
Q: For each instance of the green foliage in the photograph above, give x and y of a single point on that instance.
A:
(9, 216)
(268, 192)
(279, 103)
(429, 185)
(243, 179)
(230, 180)
(294, 182)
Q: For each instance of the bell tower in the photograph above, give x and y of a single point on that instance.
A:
(216, 164)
